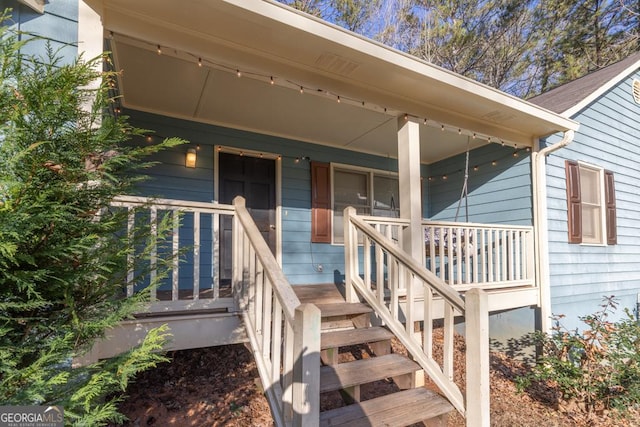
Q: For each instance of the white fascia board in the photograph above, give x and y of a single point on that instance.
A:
(310, 24)
(571, 112)
(37, 5)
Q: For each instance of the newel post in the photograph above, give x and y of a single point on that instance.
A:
(477, 341)
(306, 371)
(237, 284)
(350, 255)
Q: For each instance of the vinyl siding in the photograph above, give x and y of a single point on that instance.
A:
(609, 137)
(497, 194)
(169, 178)
(56, 28)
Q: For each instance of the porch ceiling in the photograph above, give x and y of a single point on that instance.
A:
(264, 39)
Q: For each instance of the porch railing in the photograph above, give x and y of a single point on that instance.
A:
(284, 334)
(195, 236)
(466, 255)
(389, 280)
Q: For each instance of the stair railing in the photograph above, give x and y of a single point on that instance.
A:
(390, 281)
(284, 334)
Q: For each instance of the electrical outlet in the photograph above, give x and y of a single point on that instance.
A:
(319, 268)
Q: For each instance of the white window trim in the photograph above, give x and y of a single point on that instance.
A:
(371, 172)
(603, 201)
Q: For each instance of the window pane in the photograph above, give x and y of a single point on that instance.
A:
(386, 196)
(590, 186)
(349, 189)
(591, 224)
(592, 205)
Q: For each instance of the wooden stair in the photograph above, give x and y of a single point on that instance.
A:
(348, 324)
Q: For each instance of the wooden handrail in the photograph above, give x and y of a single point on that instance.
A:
(450, 295)
(272, 270)
(284, 334)
(391, 294)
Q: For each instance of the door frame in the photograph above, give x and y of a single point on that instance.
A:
(278, 185)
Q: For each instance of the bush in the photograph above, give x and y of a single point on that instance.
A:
(595, 370)
(63, 256)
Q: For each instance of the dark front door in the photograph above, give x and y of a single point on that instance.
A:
(254, 179)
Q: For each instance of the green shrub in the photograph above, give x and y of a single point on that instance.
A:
(63, 256)
(595, 370)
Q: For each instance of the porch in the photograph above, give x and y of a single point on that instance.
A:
(291, 333)
(498, 259)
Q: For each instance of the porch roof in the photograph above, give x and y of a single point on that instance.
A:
(267, 41)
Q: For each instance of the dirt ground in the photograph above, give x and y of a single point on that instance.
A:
(219, 386)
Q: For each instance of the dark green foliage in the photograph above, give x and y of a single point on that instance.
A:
(594, 370)
(63, 255)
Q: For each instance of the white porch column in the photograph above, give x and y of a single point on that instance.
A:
(410, 186)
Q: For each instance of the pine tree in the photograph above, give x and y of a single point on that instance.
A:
(63, 255)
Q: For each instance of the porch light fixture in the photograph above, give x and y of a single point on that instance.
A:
(190, 159)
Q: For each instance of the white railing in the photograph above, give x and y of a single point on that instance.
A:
(195, 231)
(485, 255)
(284, 334)
(466, 255)
(389, 280)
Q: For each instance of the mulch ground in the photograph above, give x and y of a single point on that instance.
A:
(219, 386)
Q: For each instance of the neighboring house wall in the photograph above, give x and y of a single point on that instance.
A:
(609, 137)
(57, 27)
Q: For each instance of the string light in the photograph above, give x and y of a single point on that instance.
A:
(476, 168)
(494, 162)
(271, 80)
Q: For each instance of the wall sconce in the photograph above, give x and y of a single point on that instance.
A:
(190, 159)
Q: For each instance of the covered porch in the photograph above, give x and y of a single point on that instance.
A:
(302, 120)
(296, 90)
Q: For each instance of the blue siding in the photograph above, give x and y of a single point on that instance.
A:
(57, 27)
(609, 137)
(497, 194)
(172, 180)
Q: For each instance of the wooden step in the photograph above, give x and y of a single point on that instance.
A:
(364, 371)
(335, 339)
(343, 309)
(394, 410)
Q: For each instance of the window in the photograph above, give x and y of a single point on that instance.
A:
(370, 192)
(591, 204)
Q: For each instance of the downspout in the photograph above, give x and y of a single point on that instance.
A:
(541, 226)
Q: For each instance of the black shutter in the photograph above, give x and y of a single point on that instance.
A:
(320, 203)
(574, 201)
(610, 198)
